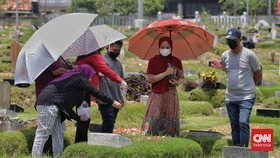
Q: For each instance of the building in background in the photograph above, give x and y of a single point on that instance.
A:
(9, 7)
(187, 8)
(52, 6)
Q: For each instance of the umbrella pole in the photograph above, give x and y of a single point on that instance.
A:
(69, 66)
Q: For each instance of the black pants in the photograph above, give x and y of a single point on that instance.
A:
(82, 126)
(109, 115)
(48, 146)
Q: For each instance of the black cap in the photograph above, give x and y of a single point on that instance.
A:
(233, 34)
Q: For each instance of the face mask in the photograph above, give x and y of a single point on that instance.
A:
(114, 55)
(165, 52)
(232, 44)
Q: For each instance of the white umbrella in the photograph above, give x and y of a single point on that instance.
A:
(48, 43)
(94, 38)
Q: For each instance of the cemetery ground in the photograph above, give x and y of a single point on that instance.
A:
(200, 109)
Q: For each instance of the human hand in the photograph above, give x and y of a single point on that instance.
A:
(174, 82)
(117, 105)
(123, 85)
(169, 71)
(84, 118)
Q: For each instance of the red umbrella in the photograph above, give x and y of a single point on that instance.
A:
(189, 39)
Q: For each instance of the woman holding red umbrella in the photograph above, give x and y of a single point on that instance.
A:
(164, 72)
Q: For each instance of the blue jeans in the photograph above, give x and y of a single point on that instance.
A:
(239, 114)
(109, 115)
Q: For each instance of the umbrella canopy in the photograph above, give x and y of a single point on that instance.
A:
(94, 38)
(189, 39)
(48, 43)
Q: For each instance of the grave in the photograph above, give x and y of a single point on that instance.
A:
(268, 112)
(244, 152)
(108, 139)
(223, 111)
(277, 94)
(207, 134)
(5, 97)
(268, 83)
(10, 124)
(144, 98)
(189, 72)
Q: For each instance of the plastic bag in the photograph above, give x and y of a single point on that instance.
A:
(84, 109)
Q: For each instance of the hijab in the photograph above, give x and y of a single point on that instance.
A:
(159, 64)
(84, 69)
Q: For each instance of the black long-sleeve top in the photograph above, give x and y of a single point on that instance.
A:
(68, 93)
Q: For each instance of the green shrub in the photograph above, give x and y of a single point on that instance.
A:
(218, 100)
(272, 102)
(13, 144)
(188, 108)
(217, 148)
(171, 147)
(199, 94)
(211, 146)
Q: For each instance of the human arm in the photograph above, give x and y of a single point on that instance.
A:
(257, 76)
(59, 71)
(98, 64)
(86, 86)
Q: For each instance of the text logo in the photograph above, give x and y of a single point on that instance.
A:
(262, 140)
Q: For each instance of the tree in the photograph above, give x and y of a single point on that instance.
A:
(256, 7)
(83, 6)
(125, 7)
(151, 7)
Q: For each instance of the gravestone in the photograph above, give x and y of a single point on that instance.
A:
(244, 152)
(144, 98)
(277, 94)
(268, 83)
(7, 113)
(15, 49)
(268, 112)
(108, 139)
(189, 72)
(182, 122)
(208, 134)
(10, 124)
(5, 97)
(223, 111)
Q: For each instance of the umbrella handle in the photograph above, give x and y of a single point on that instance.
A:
(69, 66)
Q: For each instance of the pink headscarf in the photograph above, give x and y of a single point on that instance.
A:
(84, 69)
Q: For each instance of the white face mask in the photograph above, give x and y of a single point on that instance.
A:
(165, 52)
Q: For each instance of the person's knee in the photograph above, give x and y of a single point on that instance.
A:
(244, 125)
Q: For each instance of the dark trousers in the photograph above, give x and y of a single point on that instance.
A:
(48, 146)
(109, 115)
(82, 126)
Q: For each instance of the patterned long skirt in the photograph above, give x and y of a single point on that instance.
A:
(162, 114)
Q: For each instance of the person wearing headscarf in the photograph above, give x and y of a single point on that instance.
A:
(164, 73)
(55, 104)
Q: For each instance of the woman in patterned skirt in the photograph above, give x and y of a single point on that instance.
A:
(164, 72)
